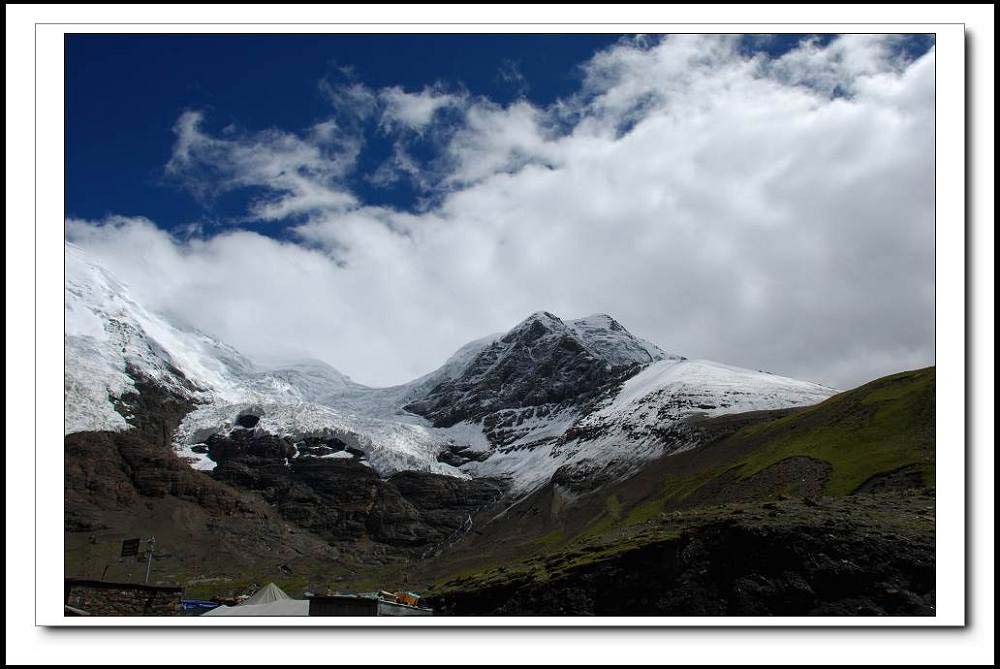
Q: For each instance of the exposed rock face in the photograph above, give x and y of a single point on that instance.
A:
(154, 409)
(132, 484)
(542, 361)
(427, 510)
(249, 444)
(107, 471)
(341, 498)
(322, 446)
(248, 420)
(457, 455)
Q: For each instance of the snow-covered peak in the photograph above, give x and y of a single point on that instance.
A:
(542, 360)
(540, 316)
(101, 308)
(600, 334)
(609, 340)
(534, 326)
(606, 321)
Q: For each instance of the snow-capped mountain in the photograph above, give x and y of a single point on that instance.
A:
(112, 342)
(111, 339)
(541, 362)
(550, 399)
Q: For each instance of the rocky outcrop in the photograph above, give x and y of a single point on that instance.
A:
(109, 471)
(457, 455)
(342, 498)
(128, 484)
(249, 445)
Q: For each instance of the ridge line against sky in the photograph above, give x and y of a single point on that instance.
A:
(765, 202)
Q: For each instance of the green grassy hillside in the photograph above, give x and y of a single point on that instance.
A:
(877, 438)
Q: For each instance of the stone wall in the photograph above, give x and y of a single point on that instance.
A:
(99, 598)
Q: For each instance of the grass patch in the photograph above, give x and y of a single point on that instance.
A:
(645, 512)
(872, 430)
(553, 538)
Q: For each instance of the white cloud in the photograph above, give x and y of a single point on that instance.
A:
(839, 66)
(497, 140)
(415, 111)
(351, 99)
(775, 214)
(302, 173)
(401, 165)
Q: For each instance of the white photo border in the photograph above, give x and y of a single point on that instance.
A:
(950, 336)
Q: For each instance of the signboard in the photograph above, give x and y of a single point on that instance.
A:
(130, 547)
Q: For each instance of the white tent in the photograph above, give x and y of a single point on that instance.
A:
(282, 607)
(268, 601)
(269, 593)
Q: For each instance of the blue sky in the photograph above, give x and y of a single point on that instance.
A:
(125, 92)
(376, 201)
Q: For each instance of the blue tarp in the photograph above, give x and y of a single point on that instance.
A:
(198, 604)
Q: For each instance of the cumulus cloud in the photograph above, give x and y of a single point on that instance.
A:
(774, 213)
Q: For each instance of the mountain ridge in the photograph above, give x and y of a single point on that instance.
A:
(543, 397)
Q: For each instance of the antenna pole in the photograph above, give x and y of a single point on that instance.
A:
(149, 556)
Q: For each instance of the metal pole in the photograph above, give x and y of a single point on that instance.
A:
(149, 557)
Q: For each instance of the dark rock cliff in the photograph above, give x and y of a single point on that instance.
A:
(543, 362)
(341, 498)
